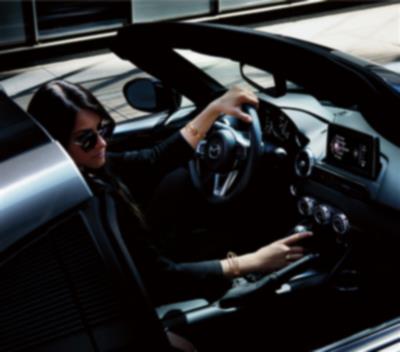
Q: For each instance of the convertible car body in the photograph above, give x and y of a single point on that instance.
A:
(322, 154)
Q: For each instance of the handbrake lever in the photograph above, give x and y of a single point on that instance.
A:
(242, 294)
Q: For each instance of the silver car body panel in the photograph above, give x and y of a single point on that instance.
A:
(35, 187)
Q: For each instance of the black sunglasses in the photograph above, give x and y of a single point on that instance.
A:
(87, 139)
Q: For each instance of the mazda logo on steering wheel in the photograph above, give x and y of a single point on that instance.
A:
(214, 151)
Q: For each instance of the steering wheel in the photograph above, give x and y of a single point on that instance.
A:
(225, 158)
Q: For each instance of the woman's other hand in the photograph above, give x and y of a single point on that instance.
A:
(279, 253)
(269, 258)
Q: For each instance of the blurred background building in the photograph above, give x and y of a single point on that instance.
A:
(41, 40)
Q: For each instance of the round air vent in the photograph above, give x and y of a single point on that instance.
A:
(304, 163)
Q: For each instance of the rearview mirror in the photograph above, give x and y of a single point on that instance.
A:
(263, 81)
(149, 94)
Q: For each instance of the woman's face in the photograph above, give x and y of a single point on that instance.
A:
(87, 123)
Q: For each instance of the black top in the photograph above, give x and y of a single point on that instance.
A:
(165, 280)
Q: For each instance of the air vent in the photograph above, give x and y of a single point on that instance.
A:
(304, 163)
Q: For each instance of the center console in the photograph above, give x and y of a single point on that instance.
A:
(334, 189)
(334, 186)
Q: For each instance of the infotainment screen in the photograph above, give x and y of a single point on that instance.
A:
(353, 151)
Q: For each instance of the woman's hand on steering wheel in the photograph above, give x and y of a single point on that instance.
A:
(224, 159)
(231, 103)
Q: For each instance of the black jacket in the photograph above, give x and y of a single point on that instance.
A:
(165, 280)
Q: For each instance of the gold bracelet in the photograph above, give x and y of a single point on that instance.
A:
(233, 263)
(194, 131)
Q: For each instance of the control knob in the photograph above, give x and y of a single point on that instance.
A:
(340, 223)
(322, 214)
(305, 206)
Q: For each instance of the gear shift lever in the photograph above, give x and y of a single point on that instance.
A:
(310, 242)
(301, 228)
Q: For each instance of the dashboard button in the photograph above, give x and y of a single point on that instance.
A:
(293, 190)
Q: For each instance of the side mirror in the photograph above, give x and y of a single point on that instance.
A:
(148, 94)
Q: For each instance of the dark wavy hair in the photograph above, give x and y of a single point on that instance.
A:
(56, 104)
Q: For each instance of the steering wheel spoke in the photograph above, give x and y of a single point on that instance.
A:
(223, 183)
(241, 153)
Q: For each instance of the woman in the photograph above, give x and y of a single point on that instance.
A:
(74, 117)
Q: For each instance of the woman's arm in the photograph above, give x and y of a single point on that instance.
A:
(230, 103)
(178, 148)
(266, 259)
(168, 280)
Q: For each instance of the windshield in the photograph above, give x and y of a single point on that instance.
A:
(223, 70)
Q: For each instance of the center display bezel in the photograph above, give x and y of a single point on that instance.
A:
(352, 151)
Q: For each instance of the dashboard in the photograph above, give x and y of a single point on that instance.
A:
(344, 172)
(279, 128)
